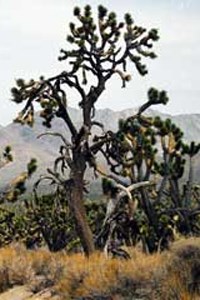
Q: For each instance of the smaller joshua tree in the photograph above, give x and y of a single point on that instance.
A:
(17, 186)
(98, 51)
(151, 150)
(9, 221)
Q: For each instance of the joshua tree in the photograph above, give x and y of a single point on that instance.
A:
(18, 185)
(8, 219)
(97, 52)
(143, 149)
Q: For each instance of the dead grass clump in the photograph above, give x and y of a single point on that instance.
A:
(47, 269)
(136, 278)
(180, 275)
(73, 274)
(15, 268)
(171, 275)
(187, 259)
(36, 269)
(100, 276)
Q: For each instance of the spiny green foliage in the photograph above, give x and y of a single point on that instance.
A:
(191, 149)
(109, 188)
(97, 51)
(12, 226)
(6, 156)
(50, 215)
(46, 220)
(39, 222)
(18, 185)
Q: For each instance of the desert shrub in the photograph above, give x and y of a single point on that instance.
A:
(15, 268)
(179, 278)
(168, 275)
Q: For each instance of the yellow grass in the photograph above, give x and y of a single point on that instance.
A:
(160, 276)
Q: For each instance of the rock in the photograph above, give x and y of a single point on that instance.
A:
(16, 293)
(23, 293)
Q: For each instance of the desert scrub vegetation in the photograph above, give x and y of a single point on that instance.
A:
(38, 270)
(184, 270)
(147, 198)
(173, 274)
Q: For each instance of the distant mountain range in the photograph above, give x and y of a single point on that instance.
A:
(25, 144)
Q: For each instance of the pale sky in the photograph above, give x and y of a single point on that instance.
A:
(33, 31)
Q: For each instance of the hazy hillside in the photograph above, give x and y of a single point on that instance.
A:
(25, 144)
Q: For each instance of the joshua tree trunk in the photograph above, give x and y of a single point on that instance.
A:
(149, 209)
(188, 194)
(77, 207)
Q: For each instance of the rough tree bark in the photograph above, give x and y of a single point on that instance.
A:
(77, 207)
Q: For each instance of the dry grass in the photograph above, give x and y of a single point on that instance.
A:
(15, 268)
(166, 276)
(181, 276)
(38, 269)
(99, 275)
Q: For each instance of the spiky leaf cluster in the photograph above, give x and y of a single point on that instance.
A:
(18, 185)
(109, 188)
(51, 216)
(172, 146)
(6, 156)
(100, 43)
(133, 149)
(100, 49)
(155, 97)
(192, 149)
